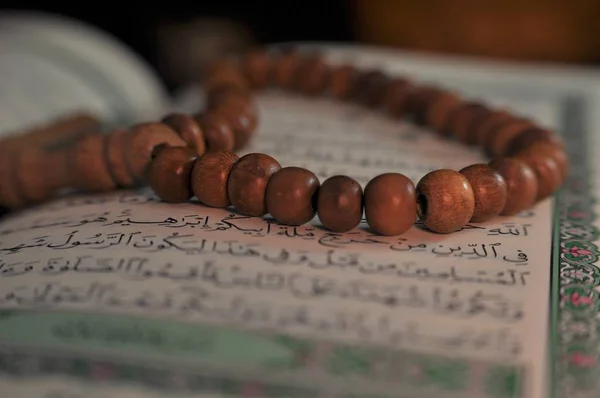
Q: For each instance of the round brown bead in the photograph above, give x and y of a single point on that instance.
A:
(445, 201)
(257, 67)
(115, 158)
(340, 203)
(248, 181)
(39, 172)
(521, 184)
(396, 97)
(209, 178)
(88, 170)
(290, 195)
(370, 88)
(141, 143)
(188, 129)
(483, 125)
(341, 81)
(390, 204)
(498, 139)
(462, 117)
(439, 111)
(169, 174)
(529, 137)
(223, 94)
(546, 171)
(286, 68)
(419, 101)
(242, 116)
(489, 189)
(312, 75)
(224, 72)
(10, 195)
(549, 149)
(217, 132)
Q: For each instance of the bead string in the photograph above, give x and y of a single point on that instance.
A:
(185, 156)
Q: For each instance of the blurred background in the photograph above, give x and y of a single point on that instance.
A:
(178, 38)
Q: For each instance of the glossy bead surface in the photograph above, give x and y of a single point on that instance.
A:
(341, 81)
(87, 167)
(169, 174)
(209, 178)
(115, 158)
(248, 181)
(445, 201)
(188, 129)
(521, 184)
(340, 203)
(217, 132)
(258, 68)
(141, 142)
(390, 204)
(489, 189)
(291, 195)
(312, 75)
(546, 172)
(483, 126)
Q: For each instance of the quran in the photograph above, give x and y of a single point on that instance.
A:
(122, 295)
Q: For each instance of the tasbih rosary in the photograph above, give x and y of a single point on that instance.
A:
(186, 156)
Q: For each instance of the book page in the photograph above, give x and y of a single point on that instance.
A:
(126, 296)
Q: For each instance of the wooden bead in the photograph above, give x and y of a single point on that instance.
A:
(529, 137)
(370, 88)
(258, 68)
(225, 93)
(142, 141)
(242, 116)
(88, 169)
(498, 139)
(10, 196)
(291, 195)
(461, 119)
(420, 100)
(546, 171)
(40, 172)
(209, 178)
(396, 97)
(483, 125)
(115, 158)
(489, 189)
(169, 174)
(312, 75)
(248, 183)
(549, 149)
(521, 184)
(286, 68)
(439, 111)
(217, 132)
(340, 203)
(390, 204)
(341, 81)
(445, 201)
(224, 72)
(188, 129)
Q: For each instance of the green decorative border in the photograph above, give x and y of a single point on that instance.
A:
(576, 276)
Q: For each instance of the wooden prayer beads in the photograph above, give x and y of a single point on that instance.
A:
(186, 156)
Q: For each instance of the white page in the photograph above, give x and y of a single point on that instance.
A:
(466, 305)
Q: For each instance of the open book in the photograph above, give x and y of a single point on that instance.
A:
(120, 295)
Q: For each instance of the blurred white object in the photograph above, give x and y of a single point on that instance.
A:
(52, 65)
